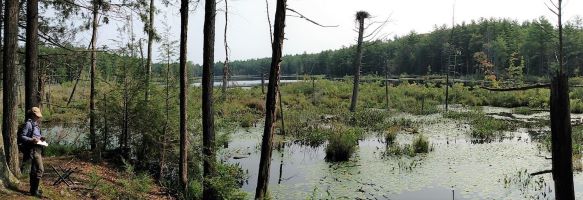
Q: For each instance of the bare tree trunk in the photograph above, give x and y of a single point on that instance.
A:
(183, 166)
(92, 136)
(150, 43)
(226, 64)
(76, 82)
(105, 124)
(387, 87)
(271, 100)
(208, 132)
(31, 91)
(10, 83)
(357, 63)
(262, 82)
(562, 150)
(6, 177)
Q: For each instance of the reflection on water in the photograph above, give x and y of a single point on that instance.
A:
(456, 168)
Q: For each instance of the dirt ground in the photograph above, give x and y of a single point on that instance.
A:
(82, 187)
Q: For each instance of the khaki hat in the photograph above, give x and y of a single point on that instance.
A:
(36, 111)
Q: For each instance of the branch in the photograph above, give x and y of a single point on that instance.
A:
(518, 88)
(379, 28)
(542, 172)
(269, 21)
(550, 9)
(307, 19)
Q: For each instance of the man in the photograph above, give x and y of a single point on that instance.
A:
(30, 136)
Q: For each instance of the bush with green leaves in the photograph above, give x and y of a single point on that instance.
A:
(342, 143)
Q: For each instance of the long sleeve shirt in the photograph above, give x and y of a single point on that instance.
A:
(30, 130)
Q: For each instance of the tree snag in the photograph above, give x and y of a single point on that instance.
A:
(271, 100)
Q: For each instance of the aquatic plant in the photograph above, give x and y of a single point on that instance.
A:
(391, 134)
(420, 144)
(342, 144)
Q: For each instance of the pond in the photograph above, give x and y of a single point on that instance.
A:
(456, 168)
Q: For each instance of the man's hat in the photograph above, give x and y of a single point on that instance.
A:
(36, 111)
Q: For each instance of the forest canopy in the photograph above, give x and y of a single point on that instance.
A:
(529, 44)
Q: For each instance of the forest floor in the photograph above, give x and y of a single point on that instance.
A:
(87, 179)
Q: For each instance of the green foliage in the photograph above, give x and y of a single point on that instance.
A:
(226, 183)
(342, 143)
(414, 52)
(420, 144)
(135, 186)
(484, 127)
(61, 150)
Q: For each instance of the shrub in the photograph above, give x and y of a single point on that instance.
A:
(342, 144)
(391, 134)
(420, 144)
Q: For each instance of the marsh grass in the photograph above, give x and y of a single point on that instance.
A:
(485, 128)
(342, 144)
(419, 145)
(391, 134)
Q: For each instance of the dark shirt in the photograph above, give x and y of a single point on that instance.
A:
(30, 130)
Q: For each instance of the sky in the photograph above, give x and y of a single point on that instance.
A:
(248, 29)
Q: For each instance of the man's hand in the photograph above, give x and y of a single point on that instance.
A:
(35, 140)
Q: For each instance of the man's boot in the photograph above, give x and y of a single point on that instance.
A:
(34, 191)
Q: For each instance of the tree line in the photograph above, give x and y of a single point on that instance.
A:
(499, 42)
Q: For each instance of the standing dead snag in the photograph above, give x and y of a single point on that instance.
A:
(226, 64)
(562, 150)
(360, 17)
(270, 101)
(561, 140)
(183, 165)
(208, 132)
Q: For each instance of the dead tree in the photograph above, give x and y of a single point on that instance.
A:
(360, 17)
(183, 165)
(31, 79)
(226, 63)
(10, 84)
(271, 100)
(562, 150)
(561, 141)
(208, 132)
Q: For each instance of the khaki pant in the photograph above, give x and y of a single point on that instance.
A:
(36, 168)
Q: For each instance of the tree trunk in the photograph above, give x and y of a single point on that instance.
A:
(7, 179)
(183, 166)
(31, 91)
(92, 136)
(105, 124)
(270, 101)
(387, 88)
(262, 82)
(226, 64)
(10, 83)
(208, 132)
(562, 151)
(150, 43)
(357, 63)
